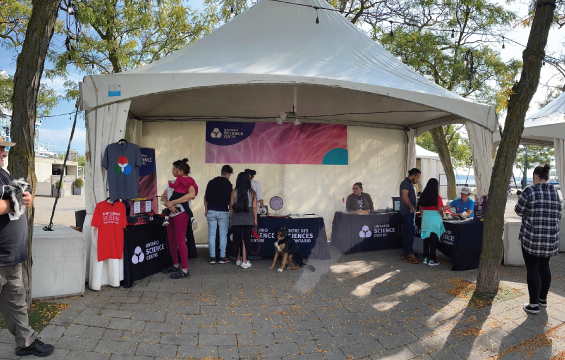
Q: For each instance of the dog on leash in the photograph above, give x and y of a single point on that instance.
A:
(14, 193)
(288, 248)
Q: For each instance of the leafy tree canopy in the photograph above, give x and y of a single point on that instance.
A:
(537, 155)
(458, 146)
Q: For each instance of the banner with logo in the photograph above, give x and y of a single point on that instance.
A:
(308, 233)
(148, 178)
(145, 252)
(271, 143)
(352, 233)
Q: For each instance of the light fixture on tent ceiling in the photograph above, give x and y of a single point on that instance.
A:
(293, 114)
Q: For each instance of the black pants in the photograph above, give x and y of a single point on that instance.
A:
(430, 245)
(538, 276)
(242, 237)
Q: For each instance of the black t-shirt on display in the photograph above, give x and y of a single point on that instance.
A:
(218, 194)
(13, 233)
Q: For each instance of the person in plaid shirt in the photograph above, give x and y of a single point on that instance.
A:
(540, 209)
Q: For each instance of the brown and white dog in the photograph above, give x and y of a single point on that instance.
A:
(290, 251)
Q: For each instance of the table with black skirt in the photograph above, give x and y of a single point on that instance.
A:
(308, 232)
(374, 231)
(462, 242)
(146, 252)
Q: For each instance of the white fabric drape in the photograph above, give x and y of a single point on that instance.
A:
(104, 126)
(410, 150)
(134, 131)
(480, 140)
(559, 152)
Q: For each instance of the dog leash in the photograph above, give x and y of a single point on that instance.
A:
(258, 243)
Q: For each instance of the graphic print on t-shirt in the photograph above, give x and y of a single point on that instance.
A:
(123, 166)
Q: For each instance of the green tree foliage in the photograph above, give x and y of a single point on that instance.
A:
(459, 148)
(535, 155)
(14, 15)
(47, 98)
(436, 38)
(115, 36)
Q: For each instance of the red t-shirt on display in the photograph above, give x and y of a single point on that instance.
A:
(439, 203)
(110, 219)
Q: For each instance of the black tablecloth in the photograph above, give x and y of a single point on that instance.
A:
(374, 231)
(145, 252)
(462, 243)
(308, 232)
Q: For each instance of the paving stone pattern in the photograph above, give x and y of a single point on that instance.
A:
(368, 305)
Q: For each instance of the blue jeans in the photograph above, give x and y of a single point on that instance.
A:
(408, 220)
(215, 218)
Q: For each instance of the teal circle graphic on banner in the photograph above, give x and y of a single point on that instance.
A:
(337, 156)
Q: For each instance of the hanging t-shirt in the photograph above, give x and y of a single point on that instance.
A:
(122, 162)
(110, 219)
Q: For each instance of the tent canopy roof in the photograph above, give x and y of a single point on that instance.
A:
(257, 65)
(545, 125)
(425, 154)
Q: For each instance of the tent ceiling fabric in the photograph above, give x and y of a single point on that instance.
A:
(248, 68)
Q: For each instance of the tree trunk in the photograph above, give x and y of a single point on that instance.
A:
(522, 93)
(27, 78)
(443, 151)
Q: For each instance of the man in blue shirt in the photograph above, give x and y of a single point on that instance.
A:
(463, 203)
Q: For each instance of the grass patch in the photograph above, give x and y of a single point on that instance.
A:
(466, 290)
(40, 314)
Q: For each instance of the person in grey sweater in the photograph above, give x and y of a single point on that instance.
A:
(359, 200)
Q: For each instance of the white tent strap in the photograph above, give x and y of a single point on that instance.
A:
(134, 131)
(410, 150)
(559, 151)
(480, 140)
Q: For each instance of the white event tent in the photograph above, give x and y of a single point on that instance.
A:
(263, 62)
(547, 128)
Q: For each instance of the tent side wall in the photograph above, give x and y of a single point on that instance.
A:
(376, 158)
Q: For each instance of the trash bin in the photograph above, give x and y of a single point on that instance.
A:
(79, 218)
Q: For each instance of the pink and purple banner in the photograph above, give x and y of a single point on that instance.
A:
(271, 143)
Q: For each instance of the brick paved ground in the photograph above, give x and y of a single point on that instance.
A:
(367, 305)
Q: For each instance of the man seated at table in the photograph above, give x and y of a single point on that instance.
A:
(358, 200)
(462, 204)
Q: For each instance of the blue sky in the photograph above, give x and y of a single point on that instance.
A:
(56, 130)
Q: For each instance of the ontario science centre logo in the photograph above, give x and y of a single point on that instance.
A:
(216, 134)
(365, 232)
(123, 166)
(137, 255)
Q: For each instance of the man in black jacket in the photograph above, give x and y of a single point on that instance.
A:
(13, 252)
(216, 209)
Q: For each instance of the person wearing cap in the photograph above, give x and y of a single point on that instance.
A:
(462, 204)
(13, 252)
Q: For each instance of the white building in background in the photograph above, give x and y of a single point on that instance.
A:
(48, 158)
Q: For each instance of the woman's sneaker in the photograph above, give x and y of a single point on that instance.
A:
(171, 269)
(533, 309)
(542, 302)
(246, 265)
(433, 262)
(179, 274)
(426, 261)
(238, 262)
